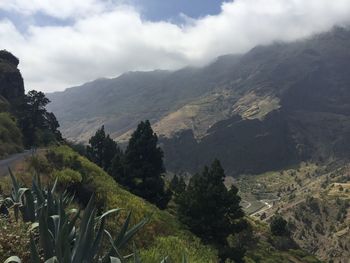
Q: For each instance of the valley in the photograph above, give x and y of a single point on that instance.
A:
(309, 195)
(244, 159)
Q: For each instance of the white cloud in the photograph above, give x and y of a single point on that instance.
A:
(56, 8)
(107, 38)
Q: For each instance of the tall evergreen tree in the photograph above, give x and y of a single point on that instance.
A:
(95, 148)
(102, 149)
(212, 211)
(143, 166)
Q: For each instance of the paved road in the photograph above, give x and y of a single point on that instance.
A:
(266, 207)
(11, 161)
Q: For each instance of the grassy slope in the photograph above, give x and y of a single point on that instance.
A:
(163, 229)
(10, 136)
(163, 236)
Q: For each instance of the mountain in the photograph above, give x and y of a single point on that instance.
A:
(271, 107)
(122, 102)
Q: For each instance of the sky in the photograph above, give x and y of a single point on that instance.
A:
(69, 42)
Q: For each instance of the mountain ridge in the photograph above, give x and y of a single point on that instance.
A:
(286, 89)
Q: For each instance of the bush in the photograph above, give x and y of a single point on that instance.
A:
(278, 226)
(67, 176)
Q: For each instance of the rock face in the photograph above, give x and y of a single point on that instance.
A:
(11, 94)
(11, 81)
(273, 106)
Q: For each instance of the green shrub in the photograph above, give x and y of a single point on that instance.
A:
(67, 176)
(10, 135)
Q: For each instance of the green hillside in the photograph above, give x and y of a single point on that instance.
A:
(162, 236)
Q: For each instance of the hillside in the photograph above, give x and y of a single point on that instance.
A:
(162, 236)
(274, 106)
(122, 102)
(315, 200)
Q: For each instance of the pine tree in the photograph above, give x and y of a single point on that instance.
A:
(143, 166)
(102, 149)
(212, 211)
(95, 150)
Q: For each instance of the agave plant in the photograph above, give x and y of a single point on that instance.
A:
(70, 236)
(28, 201)
(18, 197)
(59, 238)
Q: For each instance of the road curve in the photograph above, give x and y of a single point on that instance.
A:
(11, 161)
(266, 207)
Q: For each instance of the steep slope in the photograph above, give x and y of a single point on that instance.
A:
(84, 178)
(122, 102)
(162, 236)
(271, 107)
(11, 93)
(315, 200)
(301, 88)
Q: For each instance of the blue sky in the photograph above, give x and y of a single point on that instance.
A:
(64, 43)
(170, 9)
(152, 10)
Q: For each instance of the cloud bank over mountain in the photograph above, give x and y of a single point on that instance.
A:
(81, 40)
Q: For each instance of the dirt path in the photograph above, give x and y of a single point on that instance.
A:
(11, 161)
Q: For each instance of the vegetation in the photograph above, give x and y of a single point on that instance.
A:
(67, 237)
(212, 211)
(144, 166)
(66, 222)
(39, 127)
(278, 226)
(10, 135)
(267, 249)
(140, 169)
(102, 149)
(162, 226)
(24, 120)
(177, 186)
